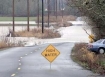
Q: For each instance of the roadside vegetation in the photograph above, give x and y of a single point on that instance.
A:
(37, 33)
(3, 45)
(59, 18)
(87, 59)
(6, 43)
(95, 11)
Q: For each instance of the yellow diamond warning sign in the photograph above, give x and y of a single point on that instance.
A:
(50, 53)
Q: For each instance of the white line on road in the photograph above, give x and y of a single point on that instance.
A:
(13, 74)
(39, 48)
(26, 54)
(20, 64)
(19, 68)
(21, 57)
(19, 60)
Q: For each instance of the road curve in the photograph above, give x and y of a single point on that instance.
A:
(28, 62)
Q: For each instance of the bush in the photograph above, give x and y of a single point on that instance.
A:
(48, 33)
(88, 59)
(5, 43)
(94, 10)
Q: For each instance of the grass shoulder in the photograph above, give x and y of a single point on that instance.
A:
(87, 59)
(17, 18)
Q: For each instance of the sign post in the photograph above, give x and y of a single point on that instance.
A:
(50, 53)
(50, 66)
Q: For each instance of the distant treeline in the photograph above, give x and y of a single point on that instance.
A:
(6, 7)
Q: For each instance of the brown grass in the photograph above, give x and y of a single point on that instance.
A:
(48, 33)
(88, 59)
(59, 20)
(5, 43)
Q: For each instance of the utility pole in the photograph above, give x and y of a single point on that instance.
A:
(56, 11)
(42, 16)
(38, 13)
(28, 15)
(62, 15)
(59, 6)
(62, 11)
(48, 1)
(13, 16)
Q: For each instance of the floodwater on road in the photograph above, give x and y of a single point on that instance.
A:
(28, 62)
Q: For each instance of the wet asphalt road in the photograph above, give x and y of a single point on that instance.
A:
(28, 62)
